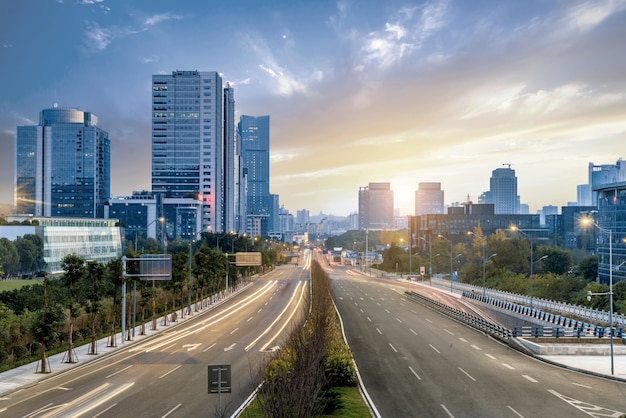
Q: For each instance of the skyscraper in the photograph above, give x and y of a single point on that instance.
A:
(254, 134)
(231, 163)
(428, 199)
(376, 206)
(503, 191)
(187, 140)
(62, 165)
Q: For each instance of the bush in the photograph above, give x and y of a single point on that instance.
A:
(3, 356)
(19, 351)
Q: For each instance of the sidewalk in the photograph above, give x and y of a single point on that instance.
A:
(26, 375)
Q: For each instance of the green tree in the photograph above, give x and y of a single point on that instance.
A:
(74, 268)
(559, 261)
(45, 330)
(9, 257)
(27, 252)
(588, 267)
(93, 289)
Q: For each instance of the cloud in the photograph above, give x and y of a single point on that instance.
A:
(590, 14)
(148, 60)
(97, 38)
(162, 17)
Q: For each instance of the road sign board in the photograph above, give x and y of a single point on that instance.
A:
(219, 379)
(248, 259)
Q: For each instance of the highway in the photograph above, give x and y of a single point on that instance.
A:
(415, 362)
(167, 375)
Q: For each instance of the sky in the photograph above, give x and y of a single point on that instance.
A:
(357, 91)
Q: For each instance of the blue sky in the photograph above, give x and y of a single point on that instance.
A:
(357, 91)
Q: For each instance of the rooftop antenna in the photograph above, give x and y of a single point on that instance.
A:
(508, 165)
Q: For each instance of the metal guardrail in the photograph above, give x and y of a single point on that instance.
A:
(565, 309)
(469, 319)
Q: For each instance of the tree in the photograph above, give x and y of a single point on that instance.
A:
(588, 267)
(115, 278)
(93, 289)
(559, 261)
(27, 252)
(9, 257)
(74, 268)
(45, 330)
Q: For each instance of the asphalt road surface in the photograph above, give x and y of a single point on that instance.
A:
(415, 362)
(167, 375)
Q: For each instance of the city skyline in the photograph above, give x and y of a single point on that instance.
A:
(401, 92)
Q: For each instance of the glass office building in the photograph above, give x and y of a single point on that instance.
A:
(62, 165)
(92, 239)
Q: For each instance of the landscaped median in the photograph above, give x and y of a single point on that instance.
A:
(314, 375)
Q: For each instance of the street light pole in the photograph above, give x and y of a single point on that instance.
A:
(588, 221)
(430, 259)
(484, 264)
(450, 241)
(532, 263)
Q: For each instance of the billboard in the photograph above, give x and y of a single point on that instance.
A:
(248, 259)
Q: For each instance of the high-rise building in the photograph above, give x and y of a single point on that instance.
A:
(62, 165)
(231, 163)
(187, 141)
(503, 191)
(602, 175)
(429, 199)
(376, 206)
(254, 134)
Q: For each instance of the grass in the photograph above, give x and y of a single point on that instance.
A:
(8, 285)
(352, 405)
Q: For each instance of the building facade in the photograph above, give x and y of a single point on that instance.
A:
(62, 165)
(429, 199)
(254, 134)
(230, 210)
(503, 191)
(187, 141)
(611, 231)
(376, 206)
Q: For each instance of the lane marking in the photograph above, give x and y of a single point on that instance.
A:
(230, 347)
(105, 410)
(172, 410)
(582, 386)
(525, 376)
(393, 348)
(173, 370)
(490, 356)
(119, 371)
(514, 411)
(437, 351)
(447, 412)
(379, 331)
(369, 319)
(208, 348)
(387, 310)
(413, 331)
(508, 366)
(249, 319)
(448, 331)
(398, 319)
(234, 331)
(428, 320)
(587, 408)
(467, 374)
(415, 373)
(462, 339)
(475, 347)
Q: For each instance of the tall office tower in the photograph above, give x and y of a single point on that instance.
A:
(231, 163)
(62, 165)
(428, 199)
(376, 206)
(503, 191)
(254, 134)
(583, 195)
(187, 140)
(602, 175)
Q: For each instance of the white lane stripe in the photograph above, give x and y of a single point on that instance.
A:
(467, 374)
(412, 331)
(447, 412)
(172, 410)
(437, 351)
(448, 331)
(379, 331)
(119, 371)
(393, 348)
(508, 366)
(415, 373)
(490, 356)
(525, 376)
(514, 411)
(171, 371)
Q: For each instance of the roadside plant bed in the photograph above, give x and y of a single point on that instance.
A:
(314, 375)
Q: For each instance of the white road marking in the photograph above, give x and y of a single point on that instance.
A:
(230, 347)
(447, 412)
(105, 410)
(172, 410)
(387, 310)
(412, 331)
(191, 347)
(399, 320)
(508, 366)
(173, 370)
(415, 373)
(448, 331)
(514, 411)
(475, 347)
(588, 408)
(462, 339)
(234, 331)
(379, 331)
(208, 348)
(582, 386)
(467, 374)
(119, 371)
(249, 319)
(428, 320)
(393, 348)
(369, 319)
(433, 347)
(490, 356)
(525, 376)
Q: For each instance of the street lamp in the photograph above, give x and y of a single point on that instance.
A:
(451, 278)
(588, 222)
(430, 259)
(532, 263)
(484, 264)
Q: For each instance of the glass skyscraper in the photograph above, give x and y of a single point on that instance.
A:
(503, 191)
(62, 165)
(187, 141)
(254, 134)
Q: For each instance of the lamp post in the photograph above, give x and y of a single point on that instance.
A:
(532, 263)
(484, 264)
(587, 222)
(449, 241)
(430, 259)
